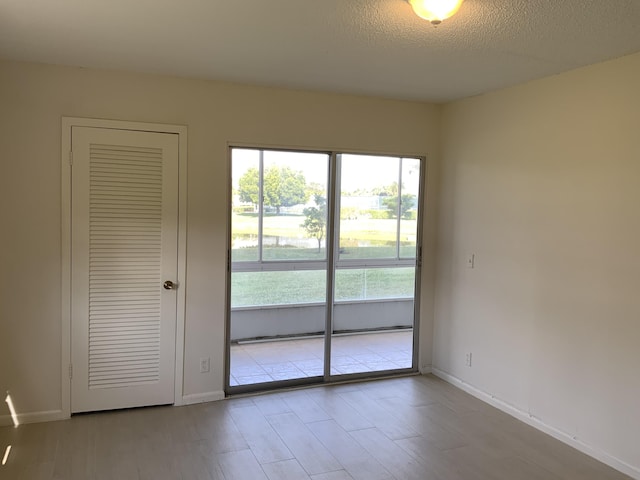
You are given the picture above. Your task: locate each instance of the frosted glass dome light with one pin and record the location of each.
(435, 11)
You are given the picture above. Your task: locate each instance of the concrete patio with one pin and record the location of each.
(286, 359)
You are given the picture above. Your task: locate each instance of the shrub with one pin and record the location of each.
(380, 214)
(243, 209)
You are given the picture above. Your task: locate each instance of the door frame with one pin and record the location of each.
(67, 123)
(333, 206)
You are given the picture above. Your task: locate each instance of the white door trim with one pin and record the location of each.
(65, 240)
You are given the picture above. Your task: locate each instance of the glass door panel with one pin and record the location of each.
(368, 225)
(295, 205)
(245, 213)
(278, 271)
(277, 326)
(369, 284)
(374, 282)
(409, 207)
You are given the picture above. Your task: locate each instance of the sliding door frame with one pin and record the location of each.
(332, 242)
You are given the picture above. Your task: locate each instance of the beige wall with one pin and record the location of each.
(33, 98)
(542, 183)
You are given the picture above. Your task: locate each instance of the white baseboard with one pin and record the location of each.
(54, 415)
(604, 457)
(202, 397)
(426, 369)
(33, 417)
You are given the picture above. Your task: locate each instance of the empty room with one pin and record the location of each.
(337, 240)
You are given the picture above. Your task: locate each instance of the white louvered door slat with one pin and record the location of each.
(124, 246)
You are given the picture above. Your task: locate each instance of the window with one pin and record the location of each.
(279, 227)
(279, 222)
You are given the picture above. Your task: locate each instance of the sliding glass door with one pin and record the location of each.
(322, 266)
(375, 268)
(278, 266)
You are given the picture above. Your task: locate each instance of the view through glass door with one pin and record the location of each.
(284, 276)
(375, 268)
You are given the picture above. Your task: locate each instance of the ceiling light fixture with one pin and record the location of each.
(435, 11)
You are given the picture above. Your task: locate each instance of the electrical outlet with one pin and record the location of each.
(205, 365)
(467, 360)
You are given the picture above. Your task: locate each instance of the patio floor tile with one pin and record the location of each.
(288, 359)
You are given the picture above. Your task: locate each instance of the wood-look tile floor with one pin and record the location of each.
(403, 428)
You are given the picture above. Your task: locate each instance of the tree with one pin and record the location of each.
(406, 203)
(386, 191)
(282, 187)
(316, 219)
(249, 186)
(315, 188)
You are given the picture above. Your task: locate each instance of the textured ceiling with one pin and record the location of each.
(371, 47)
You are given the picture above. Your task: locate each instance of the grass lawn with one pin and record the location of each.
(368, 229)
(309, 286)
(368, 238)
(359, 239)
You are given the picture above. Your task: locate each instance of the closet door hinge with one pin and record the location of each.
(70, 157)
(70, 371)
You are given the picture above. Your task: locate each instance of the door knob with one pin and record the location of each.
(169, 285)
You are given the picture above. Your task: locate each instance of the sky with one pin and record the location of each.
(362, 172)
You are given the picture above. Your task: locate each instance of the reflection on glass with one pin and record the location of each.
(245, 167)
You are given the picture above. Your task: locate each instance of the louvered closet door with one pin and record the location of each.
(124, 247)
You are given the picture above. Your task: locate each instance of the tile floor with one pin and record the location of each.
(411, 428)
(299, 358)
